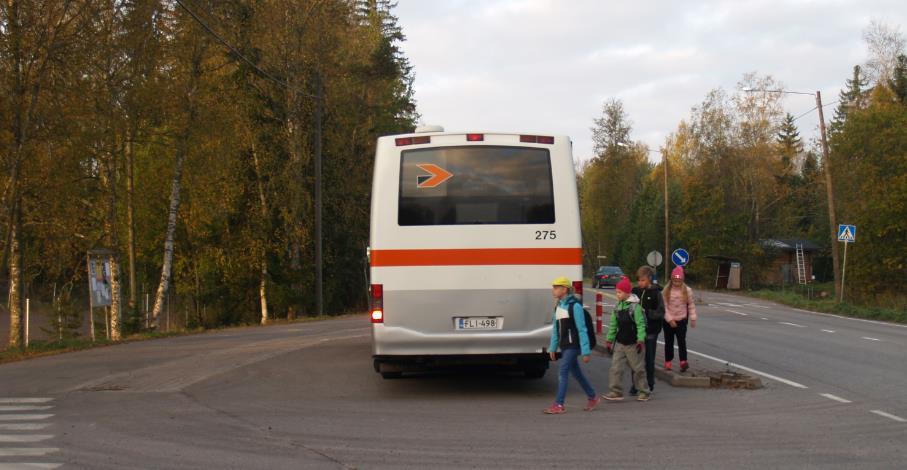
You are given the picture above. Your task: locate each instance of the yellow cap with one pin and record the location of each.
(561, 281)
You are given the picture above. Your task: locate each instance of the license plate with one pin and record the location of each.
(479, 323)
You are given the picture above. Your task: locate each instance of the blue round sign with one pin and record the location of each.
(680, 257)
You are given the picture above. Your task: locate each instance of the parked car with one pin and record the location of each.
(607, 276)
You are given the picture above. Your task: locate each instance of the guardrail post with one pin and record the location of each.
(598, 313)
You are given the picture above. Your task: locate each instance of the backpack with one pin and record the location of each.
(590, 326)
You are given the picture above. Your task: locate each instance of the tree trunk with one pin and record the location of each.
(161, 295)
(130, 217)
(15, 277)
(263, 260)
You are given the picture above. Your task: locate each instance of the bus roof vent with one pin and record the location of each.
(429, 128)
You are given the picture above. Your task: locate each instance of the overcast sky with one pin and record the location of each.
(548, 65)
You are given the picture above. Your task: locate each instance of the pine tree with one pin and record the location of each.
(790, 145)
(898, 82)
(852, 97)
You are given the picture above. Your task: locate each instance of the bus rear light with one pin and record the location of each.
(475, 137)
(537, 139)
(377, 300)
(403, 141)
(578, 290)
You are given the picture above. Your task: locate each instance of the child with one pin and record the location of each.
(569, 333)
(628, 329)
(679, 308)
(653, 306)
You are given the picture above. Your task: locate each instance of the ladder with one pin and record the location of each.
(801, 265)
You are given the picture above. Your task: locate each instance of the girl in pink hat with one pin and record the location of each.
(679, 310)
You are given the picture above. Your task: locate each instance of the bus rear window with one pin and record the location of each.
(476, 185)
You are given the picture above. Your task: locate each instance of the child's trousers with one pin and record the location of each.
(625, 356)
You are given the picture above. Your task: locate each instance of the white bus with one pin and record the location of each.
(467, 232)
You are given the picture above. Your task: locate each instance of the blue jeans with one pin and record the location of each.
(570, 363)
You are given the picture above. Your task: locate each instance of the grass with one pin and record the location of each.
(829, 305)
(50, 348)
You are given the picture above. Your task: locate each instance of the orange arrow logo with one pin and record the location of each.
(437, 176)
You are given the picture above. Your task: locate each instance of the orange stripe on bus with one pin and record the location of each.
(477, 257)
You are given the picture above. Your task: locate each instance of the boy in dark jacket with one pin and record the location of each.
(626, 337)
(654, 308)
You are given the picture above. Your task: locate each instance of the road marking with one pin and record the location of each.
(23, 426)
(738, 313)
(851, 318)
(729, 305)
(10, 401)
(24, 417)
(871, 339)
(24, 408)
(29, 466)
(835, 398)
(738, 366)
(24, 437)
(27, 451)
(889, 416)
(758, 306)
(764, 318)
(828, 331)
(792, 324)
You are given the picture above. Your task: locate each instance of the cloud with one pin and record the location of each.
(547, 65)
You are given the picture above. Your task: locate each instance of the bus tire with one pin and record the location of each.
(391, 375)
(535, 372)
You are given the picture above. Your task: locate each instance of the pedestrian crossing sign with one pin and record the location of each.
(847, 233)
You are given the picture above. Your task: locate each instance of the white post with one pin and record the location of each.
(843, 271)
(27, 315)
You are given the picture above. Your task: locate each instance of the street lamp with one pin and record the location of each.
(828, 187)
(664, 164)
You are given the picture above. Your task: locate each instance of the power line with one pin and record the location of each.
(816, 107)
(239, 54)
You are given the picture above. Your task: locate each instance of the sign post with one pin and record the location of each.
(848, 235)
(99, 294)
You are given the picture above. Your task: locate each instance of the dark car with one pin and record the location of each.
(607, 276)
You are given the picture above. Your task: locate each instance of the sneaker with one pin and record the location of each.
(633, 391)
(684, 365)
(668, 365)
(611, 396)
(651, 387)
(592, 403)
(644, 396)
(554, 409)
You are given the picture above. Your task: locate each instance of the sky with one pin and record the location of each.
(547, 66)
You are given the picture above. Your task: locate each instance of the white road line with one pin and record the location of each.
(871, 339)
(889, 416)
(764, 318)
(29, 466)
(729, 305)
(23, 426)
(26, 451)
(754, 371)
(9, 401)
(20, 438)
(24, 408)
(791, 324)
(828, 331)
(758, 306)
(24, 417)
(738, 313)
(899, 325)
(835, 398)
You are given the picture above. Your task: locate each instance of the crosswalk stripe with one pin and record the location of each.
(24, 417)
(26, 451)
(23, 426)
(29, 466)
(9, 401)
(25, 437)
(24, 408)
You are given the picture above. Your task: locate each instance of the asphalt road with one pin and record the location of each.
(305, 396)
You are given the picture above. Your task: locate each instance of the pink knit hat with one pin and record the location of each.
(677, 273)
(624, 285)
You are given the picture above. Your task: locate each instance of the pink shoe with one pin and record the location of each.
(684, 365)
(592, 403)
(668, 365)
(555, 409)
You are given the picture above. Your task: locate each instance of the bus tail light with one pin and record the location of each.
(578, 290)
(475, 137)
(377, 307)
(403, 141)
(537, 139)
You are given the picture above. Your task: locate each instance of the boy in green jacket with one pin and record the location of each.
(626, 339)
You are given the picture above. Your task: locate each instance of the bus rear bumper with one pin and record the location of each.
(399, 341)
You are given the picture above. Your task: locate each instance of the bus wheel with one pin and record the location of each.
(535, 372)
(391, 375)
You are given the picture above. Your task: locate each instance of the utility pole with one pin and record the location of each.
(826, 163)
(667, 256)
(319, 259)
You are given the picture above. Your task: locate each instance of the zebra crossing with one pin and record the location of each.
(24, 434)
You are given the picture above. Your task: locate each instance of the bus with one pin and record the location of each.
(467, 231)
